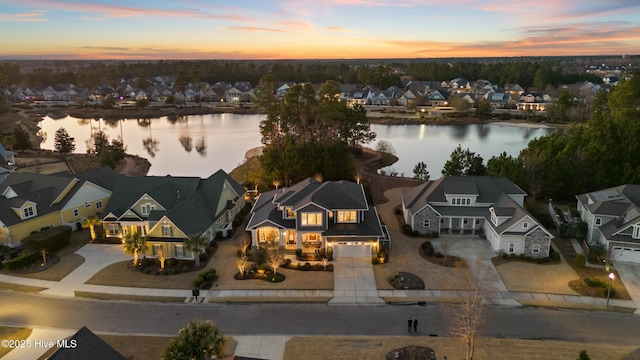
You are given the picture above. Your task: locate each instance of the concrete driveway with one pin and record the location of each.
(478, 253)
(630, 276)
(354, 282)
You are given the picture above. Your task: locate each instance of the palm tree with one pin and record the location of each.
(134, 243)
(198, 340)
(196, 243)
(91, 222)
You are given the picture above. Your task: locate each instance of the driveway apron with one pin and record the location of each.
(354, 282)
(630, 275)
(96, 257)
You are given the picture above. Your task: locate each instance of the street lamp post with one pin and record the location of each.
(611, 277)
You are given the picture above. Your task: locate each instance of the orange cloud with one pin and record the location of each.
(342, 30)
(257, 29)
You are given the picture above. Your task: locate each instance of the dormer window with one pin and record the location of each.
(289, 213)
(28, 212)
(525, 224)
(460, 201)
(598, 221)
(167, 230)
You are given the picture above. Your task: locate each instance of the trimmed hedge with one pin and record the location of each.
(26, 258)
(51, 239)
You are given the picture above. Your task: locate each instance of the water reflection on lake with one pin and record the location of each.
(198, 145)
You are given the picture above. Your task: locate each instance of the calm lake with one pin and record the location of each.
(198, 145)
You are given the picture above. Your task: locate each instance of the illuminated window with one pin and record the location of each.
(311, 219)
(347, 216)
(289, 213)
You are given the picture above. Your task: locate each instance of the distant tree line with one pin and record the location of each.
(528, 72)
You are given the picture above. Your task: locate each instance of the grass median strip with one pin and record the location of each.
(377, 347)
(12, 333)
(102, 296)
(268, 299)
(23, 288)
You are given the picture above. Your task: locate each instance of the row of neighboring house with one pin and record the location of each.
(310, 216)
(409, 93)
(167, 210)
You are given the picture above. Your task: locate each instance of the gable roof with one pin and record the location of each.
(193, 204)
(330, 195)
(87, 346)
(43, 190)
(490, 192)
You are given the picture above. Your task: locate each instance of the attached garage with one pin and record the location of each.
(352, 249)
(625, 254)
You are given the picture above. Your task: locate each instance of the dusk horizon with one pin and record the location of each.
(331, 30)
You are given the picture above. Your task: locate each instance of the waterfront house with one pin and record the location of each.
(331, 217)
(31, 202)
(477, 205)
(167, 210)
(613, 220)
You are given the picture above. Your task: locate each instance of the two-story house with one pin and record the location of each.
(332, 217)
(167, 210)
(613, 220)
(470, 205)
(31, 202)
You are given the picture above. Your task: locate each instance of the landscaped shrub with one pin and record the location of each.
(258, 256)
(205, 279)
(184, 263)
(26, 258)
(580, 261)
(427, 247)
(415, 233)
(596, 254)
(398, 211)
(407, 229)
(298, 253)
(375, 260)
(553, 254)
(51, 239)
(198, 280)
(172, 262)
(595, 282)
(145, 262)
(438, 254)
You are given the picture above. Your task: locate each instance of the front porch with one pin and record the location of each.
(462, 225)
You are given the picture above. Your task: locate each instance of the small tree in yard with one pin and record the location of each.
(244, 247)
(583, 355)
(446, 246)
(420, 171)
(467, 316)
(134, 243)
(275, 257)
(196, 243)
(91, 222)
(241, 264)
(64, 143)
(162, 257)
(198, 340)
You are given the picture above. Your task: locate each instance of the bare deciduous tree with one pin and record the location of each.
(245, 244)
(469, 313)
(446, 245)
(241, 264)
(275, 257)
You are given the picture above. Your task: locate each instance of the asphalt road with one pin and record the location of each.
(311, 319)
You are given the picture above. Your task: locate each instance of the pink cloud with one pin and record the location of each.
(129, 11)
(342, 30)
(23, 17)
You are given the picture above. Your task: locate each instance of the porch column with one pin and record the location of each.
(450, 224)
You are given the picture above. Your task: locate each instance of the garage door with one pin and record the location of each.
(352, 250)
(626, 255)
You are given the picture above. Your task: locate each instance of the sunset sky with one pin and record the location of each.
(321, 29)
